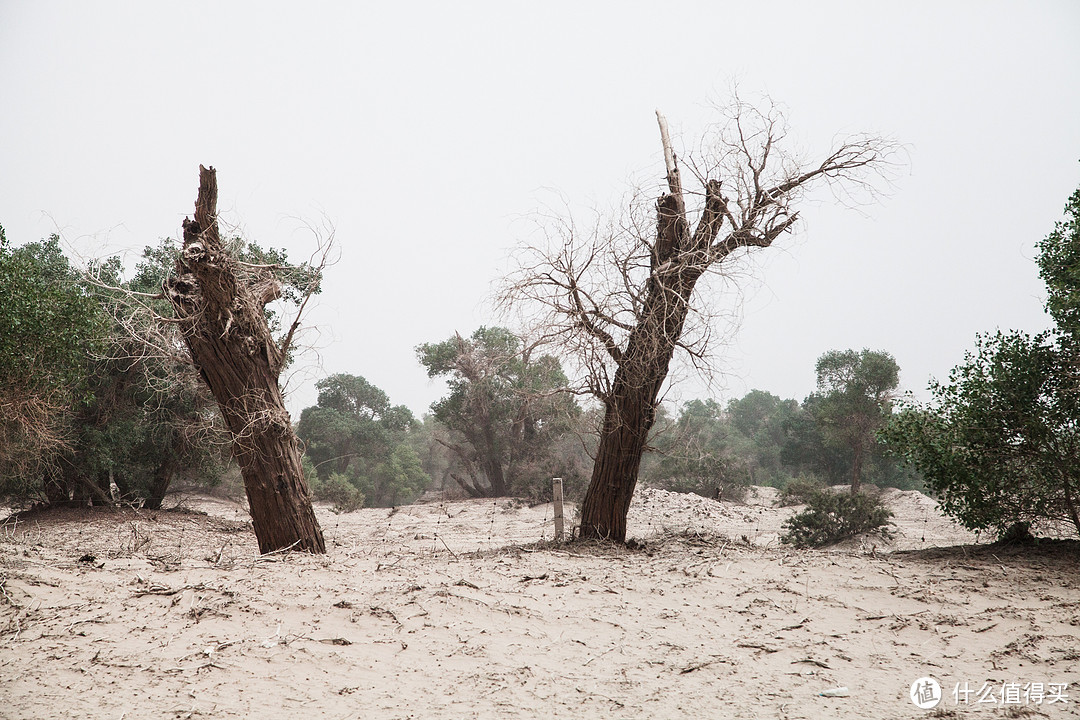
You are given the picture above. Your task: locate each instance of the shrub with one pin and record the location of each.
(831, 517)
(800, 490)
(337, 489)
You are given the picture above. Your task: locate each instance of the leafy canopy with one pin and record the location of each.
(505, 410)
(1000, 441)
(357, 446)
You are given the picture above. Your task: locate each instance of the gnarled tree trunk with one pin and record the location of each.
(617, 298)
(630, 409)
(679, 257)
(163, 475)
(225, 328)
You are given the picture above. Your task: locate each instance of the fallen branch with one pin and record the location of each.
(757, 646)
(166, 590)
(705, 664)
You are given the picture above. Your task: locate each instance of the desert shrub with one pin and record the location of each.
(800, 490)
(337, 490)
(831, 517)
(999, 442)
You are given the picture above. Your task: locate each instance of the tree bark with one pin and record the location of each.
(856, 469)
(496, 478)
(627, 422)
(163, 476)
(226, 331)
(630, 409)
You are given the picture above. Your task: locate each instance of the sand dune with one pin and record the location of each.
(468, 610)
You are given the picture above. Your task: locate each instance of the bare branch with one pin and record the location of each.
(619, 300)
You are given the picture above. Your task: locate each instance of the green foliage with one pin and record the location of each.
(1059, 267)
(704, 452)
(831, 517)
(356, 434)
(152, 420)
(695, 451)
(800, 491)
(337, 490)
(999, 443)
(397, 480)
(504, 413)
(764, 439)
(761, 439)
(49, 325)
(853, 401)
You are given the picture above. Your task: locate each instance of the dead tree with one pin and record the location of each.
(621, 299)
(221, 314)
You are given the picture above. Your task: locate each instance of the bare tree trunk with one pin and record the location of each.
(618, 299)
(226, 331)
(163, 476)
(630, 410)
(629, 415)
(496, 477)
(856, 469)
(627, 422)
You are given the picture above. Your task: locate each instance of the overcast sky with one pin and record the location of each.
(426, 132)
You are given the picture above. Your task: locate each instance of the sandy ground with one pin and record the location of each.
(467, 610)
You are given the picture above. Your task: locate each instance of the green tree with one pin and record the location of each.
(355, 435)
(150, 418)
(767, 422)
(853, 401)
(717, 452)
(49, 326)
(1000, 441)
(504, 412)
(999, 444)
(696, 453)
(807, 453)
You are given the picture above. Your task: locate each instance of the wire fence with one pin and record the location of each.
(442, 528)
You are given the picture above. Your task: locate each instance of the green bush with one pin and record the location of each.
(800, 490)
(337, 489)
(831, 517)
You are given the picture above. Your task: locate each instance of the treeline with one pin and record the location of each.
(830, 438)
(99, 407)
(99, 400)
(508, 425)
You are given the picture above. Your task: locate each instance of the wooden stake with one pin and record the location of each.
(556, 497)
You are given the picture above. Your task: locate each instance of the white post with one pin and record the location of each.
(556, 497)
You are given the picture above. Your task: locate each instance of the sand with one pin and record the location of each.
(468, 610)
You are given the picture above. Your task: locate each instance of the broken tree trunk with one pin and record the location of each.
(222, 317)
(630, 407)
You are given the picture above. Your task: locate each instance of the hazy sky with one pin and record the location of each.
(428, 133)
